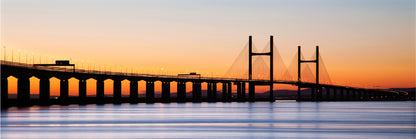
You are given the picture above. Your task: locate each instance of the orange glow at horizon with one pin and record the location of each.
(91, 87)
(73, 86)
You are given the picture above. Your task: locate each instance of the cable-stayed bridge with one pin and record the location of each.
(245, 74)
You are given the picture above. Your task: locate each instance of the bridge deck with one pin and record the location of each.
(158, 77)
(24, 71)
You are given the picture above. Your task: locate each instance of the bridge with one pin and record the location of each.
(319, 91)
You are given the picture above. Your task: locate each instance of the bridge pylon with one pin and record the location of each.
(250, 69)
(317, 88)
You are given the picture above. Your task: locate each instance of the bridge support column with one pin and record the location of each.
(64, 89)
(391, 96)
(214, 91)
(313, 94)
(134, 91)
(230, 92)
(299, 98)
(383, 96)
(386, 96)
(370, 95)
(181, 91)
(365, 94)
(348, 95)
(373, 95)
(44, 90)
(271, 93)
(379, 95)
(4, 91)
(82, 88)
(23, 91)
(318, 93)
(360, 94)
(239, 93)
(196, 91)
(335, 93)
(243, 91)
(209, 91)
(224, 92)
(299, 75)
(251, 92)
(354, 94)
(327, 91)
(165, 91)
(341, 92)
(100, 90)
(150, 91)
(116, 90)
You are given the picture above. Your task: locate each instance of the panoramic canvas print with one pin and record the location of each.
(331, 69)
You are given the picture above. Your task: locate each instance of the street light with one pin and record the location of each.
(4, 52)
(18, 51)
(26, 57)
(12, 56)
(33, 58)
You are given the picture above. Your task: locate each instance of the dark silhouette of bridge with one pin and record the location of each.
(319, 91)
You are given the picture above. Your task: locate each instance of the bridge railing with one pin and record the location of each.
(60, 69)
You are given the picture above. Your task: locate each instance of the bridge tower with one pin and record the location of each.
(317, 87)
(250, 69)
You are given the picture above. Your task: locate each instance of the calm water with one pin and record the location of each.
(214, 120)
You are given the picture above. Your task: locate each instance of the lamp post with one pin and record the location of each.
(4, 52)
(26, 57)
(12, 57)
(33, 58)
(18, 51)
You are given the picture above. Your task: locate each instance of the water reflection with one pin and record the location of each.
(214, 120)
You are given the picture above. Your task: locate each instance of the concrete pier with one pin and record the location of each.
(134, 94)
(166, 91)
(23, 91)
(44, 90)
(150, 91)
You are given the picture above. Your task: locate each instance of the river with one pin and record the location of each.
(282, 119)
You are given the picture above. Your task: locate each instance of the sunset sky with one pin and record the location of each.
(365, 43)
